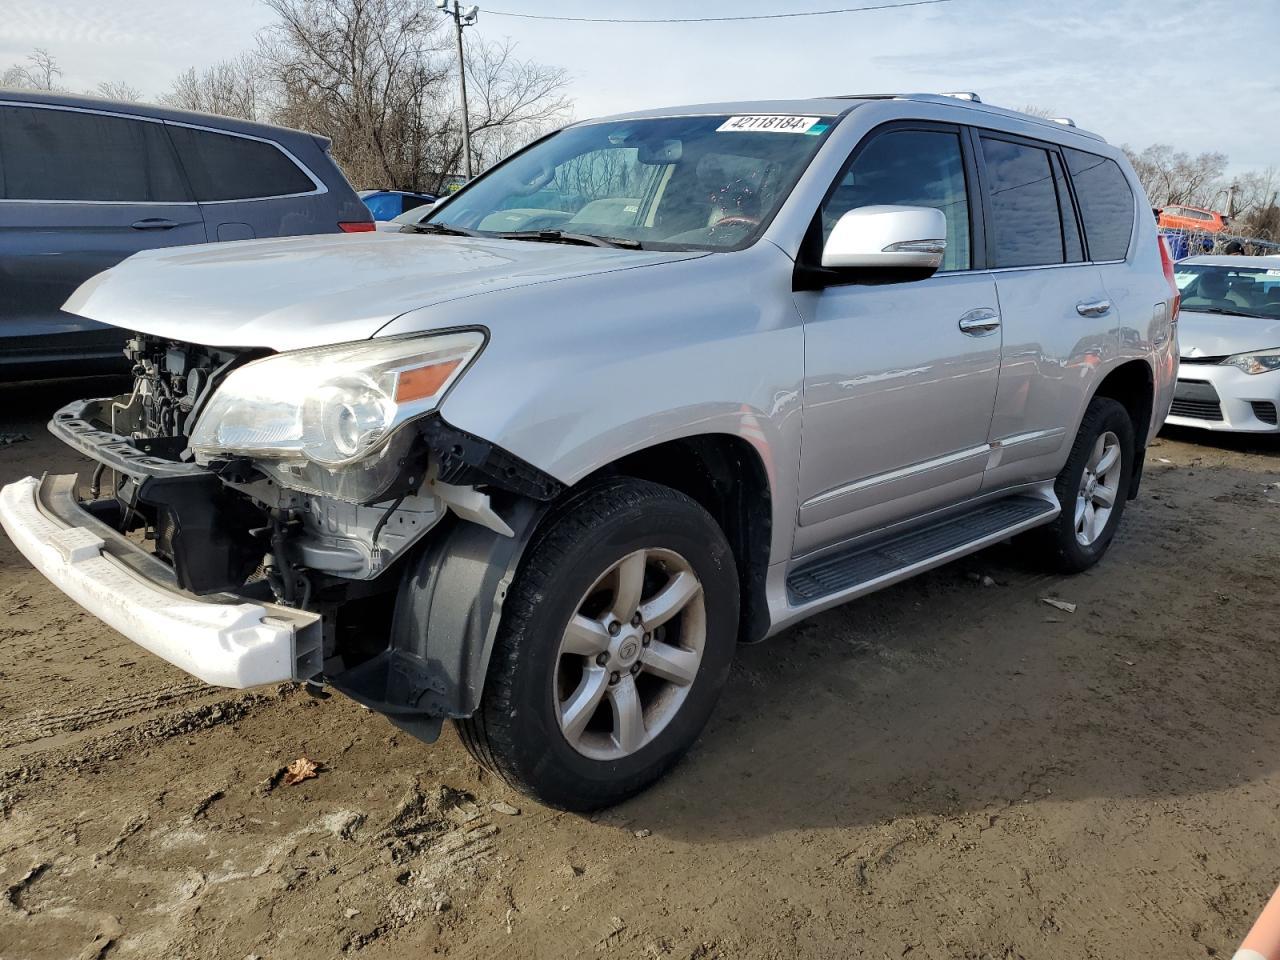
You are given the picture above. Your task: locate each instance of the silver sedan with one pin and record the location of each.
(1229, 332)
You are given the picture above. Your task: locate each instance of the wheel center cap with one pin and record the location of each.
(628, 650)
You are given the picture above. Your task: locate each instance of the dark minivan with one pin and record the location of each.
(85, 182)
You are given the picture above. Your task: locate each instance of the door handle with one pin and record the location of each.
(980, 322)
(1093, 308)
(154, 223)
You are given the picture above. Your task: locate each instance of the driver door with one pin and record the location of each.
(900, 377)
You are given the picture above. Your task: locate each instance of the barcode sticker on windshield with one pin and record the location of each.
(774, 123)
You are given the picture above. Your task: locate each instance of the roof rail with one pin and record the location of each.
(971, 100)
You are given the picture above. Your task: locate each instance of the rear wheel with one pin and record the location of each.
(1092, 488)
(614, 644)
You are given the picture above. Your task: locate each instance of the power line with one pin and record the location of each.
(762, 16)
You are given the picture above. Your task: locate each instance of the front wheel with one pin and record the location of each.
(615, 641)
(1092, 488)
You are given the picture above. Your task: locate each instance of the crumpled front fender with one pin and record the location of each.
(447, 612)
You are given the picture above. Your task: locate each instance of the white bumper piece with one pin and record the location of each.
(238, 643)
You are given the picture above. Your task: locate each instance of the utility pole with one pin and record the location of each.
(462, 17)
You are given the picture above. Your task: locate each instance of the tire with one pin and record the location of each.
(527, 729)
(1062, 543)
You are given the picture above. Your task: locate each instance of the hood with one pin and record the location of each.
(1218, 335)
(297, 292)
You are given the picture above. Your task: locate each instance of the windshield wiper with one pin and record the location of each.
(440, 229)
(1219, 310)
(562, 236)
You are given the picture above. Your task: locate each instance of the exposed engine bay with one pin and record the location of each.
(234, 524)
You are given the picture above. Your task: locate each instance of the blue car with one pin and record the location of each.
(389, 204)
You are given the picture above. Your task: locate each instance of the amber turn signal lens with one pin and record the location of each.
(423, 382)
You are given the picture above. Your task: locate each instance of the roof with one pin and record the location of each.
(152, 111)
(829, 107)
(1261, 263)
(835, 106)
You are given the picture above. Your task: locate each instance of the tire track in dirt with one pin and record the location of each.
(41, 724)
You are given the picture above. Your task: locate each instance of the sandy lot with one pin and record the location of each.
(946, 769)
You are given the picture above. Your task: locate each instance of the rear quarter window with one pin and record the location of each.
(225, 167)
(1106, 203)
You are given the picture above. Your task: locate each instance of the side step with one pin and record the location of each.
(868, 566)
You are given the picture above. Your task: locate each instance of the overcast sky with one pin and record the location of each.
(1199, 74)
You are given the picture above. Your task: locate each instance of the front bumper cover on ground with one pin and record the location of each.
(224, 640)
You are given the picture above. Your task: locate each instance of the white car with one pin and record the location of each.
(416, 215)
(1229, 334)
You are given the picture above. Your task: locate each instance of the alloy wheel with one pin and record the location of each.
(629, 654)
(1099, 488)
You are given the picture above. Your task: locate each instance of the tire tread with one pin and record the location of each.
(486, 734)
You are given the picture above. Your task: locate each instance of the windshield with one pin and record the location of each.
(1246, 291)
(710, 183)
(414, 215)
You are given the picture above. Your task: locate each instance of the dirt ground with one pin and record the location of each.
(946, 769)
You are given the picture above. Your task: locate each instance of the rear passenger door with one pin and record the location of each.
(1060, 326)
(250, 186)
(79, 191)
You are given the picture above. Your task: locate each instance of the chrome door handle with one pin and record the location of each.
(1093, 308)
(980, 322)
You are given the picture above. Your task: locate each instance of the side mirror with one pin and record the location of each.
(888, 238)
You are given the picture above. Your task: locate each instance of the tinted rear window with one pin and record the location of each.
(224, 167)
(1106, 204)
(68, 155)
(1027, 225)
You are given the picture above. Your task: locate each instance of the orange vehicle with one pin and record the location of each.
(1193, 218)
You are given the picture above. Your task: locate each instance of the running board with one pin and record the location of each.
(867, 567)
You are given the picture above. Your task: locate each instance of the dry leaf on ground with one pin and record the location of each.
(301, 769)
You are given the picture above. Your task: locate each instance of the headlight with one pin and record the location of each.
(332, 406)
(1260, 361)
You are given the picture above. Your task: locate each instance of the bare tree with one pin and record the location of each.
(512, 101)
(42, 73)
(1173, 176)
(1031, 110)
(366, 74)
(378, 77)
(118, 90)
(232, 88)
(1257, 213)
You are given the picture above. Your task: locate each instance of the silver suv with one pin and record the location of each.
(655, 385)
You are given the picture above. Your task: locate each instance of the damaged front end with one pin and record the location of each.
(323, 482)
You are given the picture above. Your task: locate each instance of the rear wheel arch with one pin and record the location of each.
(1132, 385)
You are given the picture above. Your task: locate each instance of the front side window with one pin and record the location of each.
(48, 154)
(225, 167)
(1106, 203)
(923, 168)
(1026, 215)
(709, 183)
